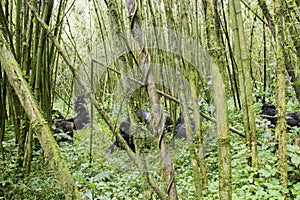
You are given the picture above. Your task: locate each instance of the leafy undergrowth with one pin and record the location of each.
(40, 184)
(115, 176)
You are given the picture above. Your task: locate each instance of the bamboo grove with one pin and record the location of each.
(47, 48)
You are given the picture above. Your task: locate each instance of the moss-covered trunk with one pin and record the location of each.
(3, 83)
(219, 94)
(280, 130)
(38, 123)
(245, 81)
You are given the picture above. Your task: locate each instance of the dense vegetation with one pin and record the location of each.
(215, 62)
(113, 176)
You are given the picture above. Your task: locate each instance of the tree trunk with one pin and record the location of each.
(3, 84)
(246, 84)
(42, 88)
(280, 130)
(219, 94)
(277, 30)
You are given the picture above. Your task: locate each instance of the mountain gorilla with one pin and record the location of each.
(125, 133)
(82, 118)
(180, 130)
(143, 117)
(292, 119)
(63, 128)
(269, 113)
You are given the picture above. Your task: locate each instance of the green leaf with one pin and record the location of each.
(297, 186)
(265, 173)
(297, 83)
(92, 185)
(296, 160)
(268, 167)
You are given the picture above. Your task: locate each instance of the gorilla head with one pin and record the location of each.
(80, 99)
(125, 128)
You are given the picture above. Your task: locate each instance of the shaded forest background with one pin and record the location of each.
(247, 55)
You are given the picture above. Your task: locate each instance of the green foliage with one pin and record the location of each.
(297, 83)
(40, 184)
(294, 153)
(115, 176)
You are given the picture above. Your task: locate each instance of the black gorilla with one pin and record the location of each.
(125, 130)
(292, 119)
(169, 123)
(180, 131)
(143, 117)
(63, 130)
(57, 115)
(82, 118)
(125, 133)
(269, 112)
(79, 102)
